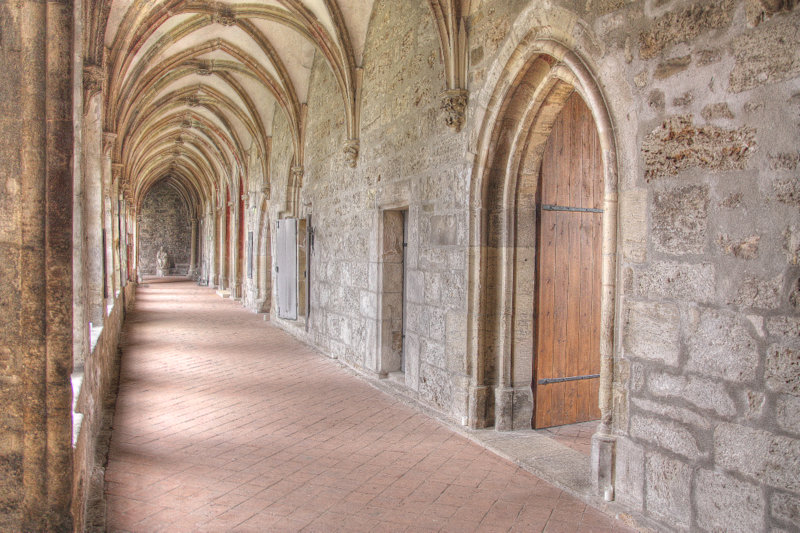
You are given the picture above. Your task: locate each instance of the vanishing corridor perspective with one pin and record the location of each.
(544, 254)
(262, 433)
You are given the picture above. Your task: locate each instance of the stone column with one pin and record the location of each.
(137, 219)
(36, 266)
(222, 282)
(93, 200)
(123, 241)
(235, 270)
(211, 220)
(108, 211)
(193, 257)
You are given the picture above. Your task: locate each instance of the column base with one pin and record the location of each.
(603, 452)
(513, 408)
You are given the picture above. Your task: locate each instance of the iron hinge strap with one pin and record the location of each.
(547, 381)
(550, 207)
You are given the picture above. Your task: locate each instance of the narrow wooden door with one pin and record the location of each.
(567, 358)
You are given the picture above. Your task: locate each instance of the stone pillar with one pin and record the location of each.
(211, 220)
(222, 282)
(123, 241)
(137, 219)
(36, 266)
(93, 201)
(235, 270)
(80, 319)
(193, 257)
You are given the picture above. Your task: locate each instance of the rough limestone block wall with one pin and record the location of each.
(409, 160)
(709, 328)
(165, 222)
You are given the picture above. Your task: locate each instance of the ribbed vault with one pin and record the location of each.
(191, 88)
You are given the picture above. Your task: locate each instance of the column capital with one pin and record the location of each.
(94, 77)
(454, 105)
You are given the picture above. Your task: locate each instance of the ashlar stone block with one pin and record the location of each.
(766, 54)
(782, 370)
(680, 219)
(786, 507)
(724, 503)
(787, 413)
(720, 345)
(690, 282)
(666, 434)
(652, 332)
(668, 488)
(704, 393)
(761, 455)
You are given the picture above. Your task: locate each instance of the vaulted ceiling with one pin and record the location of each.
(191, 87)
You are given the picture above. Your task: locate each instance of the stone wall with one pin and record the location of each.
(709, 321)
(93, 412)
(165, 222)
(703, 100)
(406, 162)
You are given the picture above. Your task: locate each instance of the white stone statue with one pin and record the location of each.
(162, 262)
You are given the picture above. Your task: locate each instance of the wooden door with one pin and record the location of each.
(567, 359)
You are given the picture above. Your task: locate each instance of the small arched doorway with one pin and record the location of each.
(569, 211)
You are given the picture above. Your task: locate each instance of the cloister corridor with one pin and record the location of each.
(223, 422)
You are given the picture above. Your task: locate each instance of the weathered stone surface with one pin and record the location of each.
(665, 434)
(783, 160)
(691, 282)
(688, 417)
(761, 455)
(767, 54)
(672, 66)
(683, 25)
(680, 219)
(787, 190)
(435, 386)
(633, 224)
(717, 111)
(791, 245)
(668, 488)
(704, 393)
(787, 413)
(758, 293)
(754, 404)
(782, 372)
(786, 507)
(726, 504)
(746, 248)
(719, 345)
(678, 145)
(652, 331)
(629, 474)
(787, 327)
(606, 6)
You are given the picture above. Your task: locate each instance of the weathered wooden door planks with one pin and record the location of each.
(567, 360)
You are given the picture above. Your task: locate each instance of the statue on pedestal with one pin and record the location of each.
(162, 262)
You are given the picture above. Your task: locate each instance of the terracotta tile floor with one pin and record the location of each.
(575, 436)
(225, 423)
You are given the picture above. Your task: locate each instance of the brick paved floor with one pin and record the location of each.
(225, 423)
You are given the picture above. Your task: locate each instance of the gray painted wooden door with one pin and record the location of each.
(286, 268)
